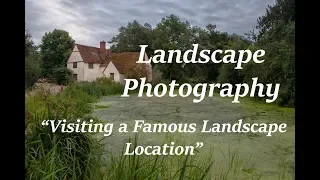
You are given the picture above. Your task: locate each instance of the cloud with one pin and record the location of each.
(89, 22)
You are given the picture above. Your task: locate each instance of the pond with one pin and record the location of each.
(269, 155)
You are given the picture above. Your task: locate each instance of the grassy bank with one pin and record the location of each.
(64, 155)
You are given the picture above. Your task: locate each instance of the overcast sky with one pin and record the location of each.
(91, 21)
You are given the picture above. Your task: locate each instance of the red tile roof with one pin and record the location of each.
(125, 62)
(92, 54)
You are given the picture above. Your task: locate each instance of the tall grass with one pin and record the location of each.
(64, 155)
(100, 87)
(157, 167)
(59, 155)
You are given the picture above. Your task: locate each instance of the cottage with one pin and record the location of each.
(89, 63)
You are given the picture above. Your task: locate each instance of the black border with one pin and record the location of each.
(302, 57)
(13, 94)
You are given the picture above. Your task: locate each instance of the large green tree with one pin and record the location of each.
(56, 47)
(172, 34)
(277, 37)
(282, 12)
(131, 36)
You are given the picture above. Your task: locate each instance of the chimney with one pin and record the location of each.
(102, 47)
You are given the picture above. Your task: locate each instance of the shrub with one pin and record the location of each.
(32, 70)
(101, 87)
(62, 75)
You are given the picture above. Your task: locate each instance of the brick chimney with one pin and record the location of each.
(102, 47)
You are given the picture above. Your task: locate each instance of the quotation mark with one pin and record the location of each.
(45, 123)
(199, 144)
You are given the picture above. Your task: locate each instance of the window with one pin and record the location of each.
(112, 75)
(75, 65)
(75, 77)
(90, 65)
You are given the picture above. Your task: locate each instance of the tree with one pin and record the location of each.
(171, 34)
(277, 37)
(228, 73)
(32, 61)
(217, 40)
(283, 11)
(29, 44)
(131, 36)
(251, 36)
(56, 47)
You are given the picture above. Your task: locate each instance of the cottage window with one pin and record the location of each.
(112, 76)
(75, 65)
(90, 65)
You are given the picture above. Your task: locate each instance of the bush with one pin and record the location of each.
(230, 75)
(62, 75)
(32, 70)
(101, 87)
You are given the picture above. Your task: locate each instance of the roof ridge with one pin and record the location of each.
(89, 46)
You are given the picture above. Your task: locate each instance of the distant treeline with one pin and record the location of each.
(274, 33)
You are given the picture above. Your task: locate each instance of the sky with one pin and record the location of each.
(91, 21)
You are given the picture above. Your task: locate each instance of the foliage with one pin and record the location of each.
(131, 36)
(282, 12)
(62, 75)
(227, 72)
(275, 34)
(32, 62)
(101, 87)
(56, 47)
(59, 155)
(157, 167)
(64, 155)
(170, 34)
(277, 38)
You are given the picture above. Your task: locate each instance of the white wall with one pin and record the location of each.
(112, 69)
(78, 70)
(92, 74)
(76, 57)
(121, 80)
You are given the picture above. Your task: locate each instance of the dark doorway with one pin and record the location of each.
(75, 77)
